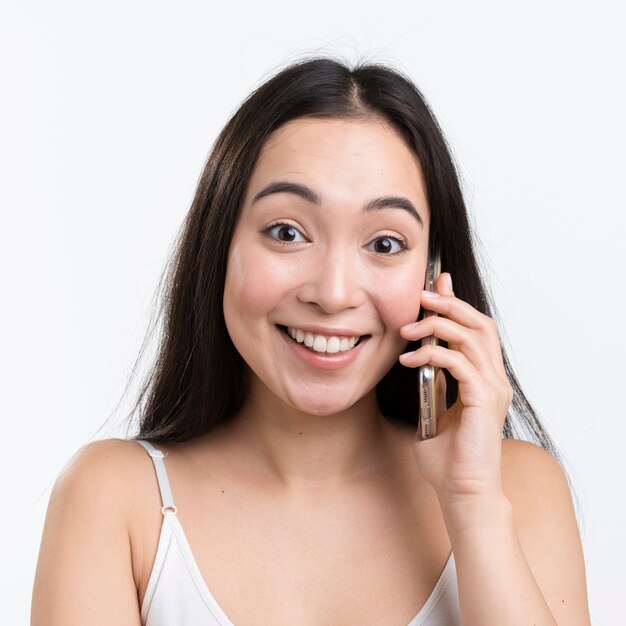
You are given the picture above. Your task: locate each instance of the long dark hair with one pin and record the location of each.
(198, 379)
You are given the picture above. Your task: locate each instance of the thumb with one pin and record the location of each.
(444, 284)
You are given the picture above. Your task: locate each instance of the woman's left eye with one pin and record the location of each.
(385, 245)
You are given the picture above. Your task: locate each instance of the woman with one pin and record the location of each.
(281, 412)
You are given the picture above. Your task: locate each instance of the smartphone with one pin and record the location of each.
(427, 373)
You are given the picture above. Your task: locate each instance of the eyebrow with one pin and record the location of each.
(304, 192)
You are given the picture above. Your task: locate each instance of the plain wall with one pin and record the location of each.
(108, 112)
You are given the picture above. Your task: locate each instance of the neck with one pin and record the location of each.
(301, 449)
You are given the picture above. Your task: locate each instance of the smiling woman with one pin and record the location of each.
(336, 252)
(285, 399)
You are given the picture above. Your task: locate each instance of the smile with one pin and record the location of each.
(321, 343)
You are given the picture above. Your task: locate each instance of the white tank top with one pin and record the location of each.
(177, 594)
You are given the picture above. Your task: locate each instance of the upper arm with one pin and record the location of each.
(84, 572)
(547, 528)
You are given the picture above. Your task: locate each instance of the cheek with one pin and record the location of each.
(398, 296)
(255, 284)
(246, 293)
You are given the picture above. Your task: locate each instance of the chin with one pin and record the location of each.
(322, 405)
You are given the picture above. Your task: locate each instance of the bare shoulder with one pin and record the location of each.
(546, 524)
(537, 487)
(104, 460)
(533, 479)
(85, 563)
(522, 459)
(96, 478)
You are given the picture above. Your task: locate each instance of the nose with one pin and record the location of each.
(334, 280)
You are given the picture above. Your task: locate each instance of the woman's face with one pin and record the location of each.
(324, 254)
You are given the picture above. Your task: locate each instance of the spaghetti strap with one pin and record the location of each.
(164, 483)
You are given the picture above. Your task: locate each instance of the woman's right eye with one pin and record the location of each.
(285, 233)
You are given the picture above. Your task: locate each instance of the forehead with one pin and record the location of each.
(341, 159)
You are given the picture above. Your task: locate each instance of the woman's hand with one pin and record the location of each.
(463, 460)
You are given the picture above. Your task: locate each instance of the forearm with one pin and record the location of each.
(496, 584)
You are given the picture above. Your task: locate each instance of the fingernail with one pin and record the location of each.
(430, 294)
(448, 280)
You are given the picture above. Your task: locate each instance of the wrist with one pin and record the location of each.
(482, 513)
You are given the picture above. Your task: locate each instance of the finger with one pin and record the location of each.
(455, 308)
(465, 314)
(474, 390)
(455, 362)
(458, 337)
(444, 284)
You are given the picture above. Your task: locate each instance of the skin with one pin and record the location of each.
(330, 276)
(312, 496)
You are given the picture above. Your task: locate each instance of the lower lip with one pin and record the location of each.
(320, 360)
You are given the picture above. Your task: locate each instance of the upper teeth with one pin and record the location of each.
(321, 343)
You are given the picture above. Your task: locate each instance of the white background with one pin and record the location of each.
(108, 111)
